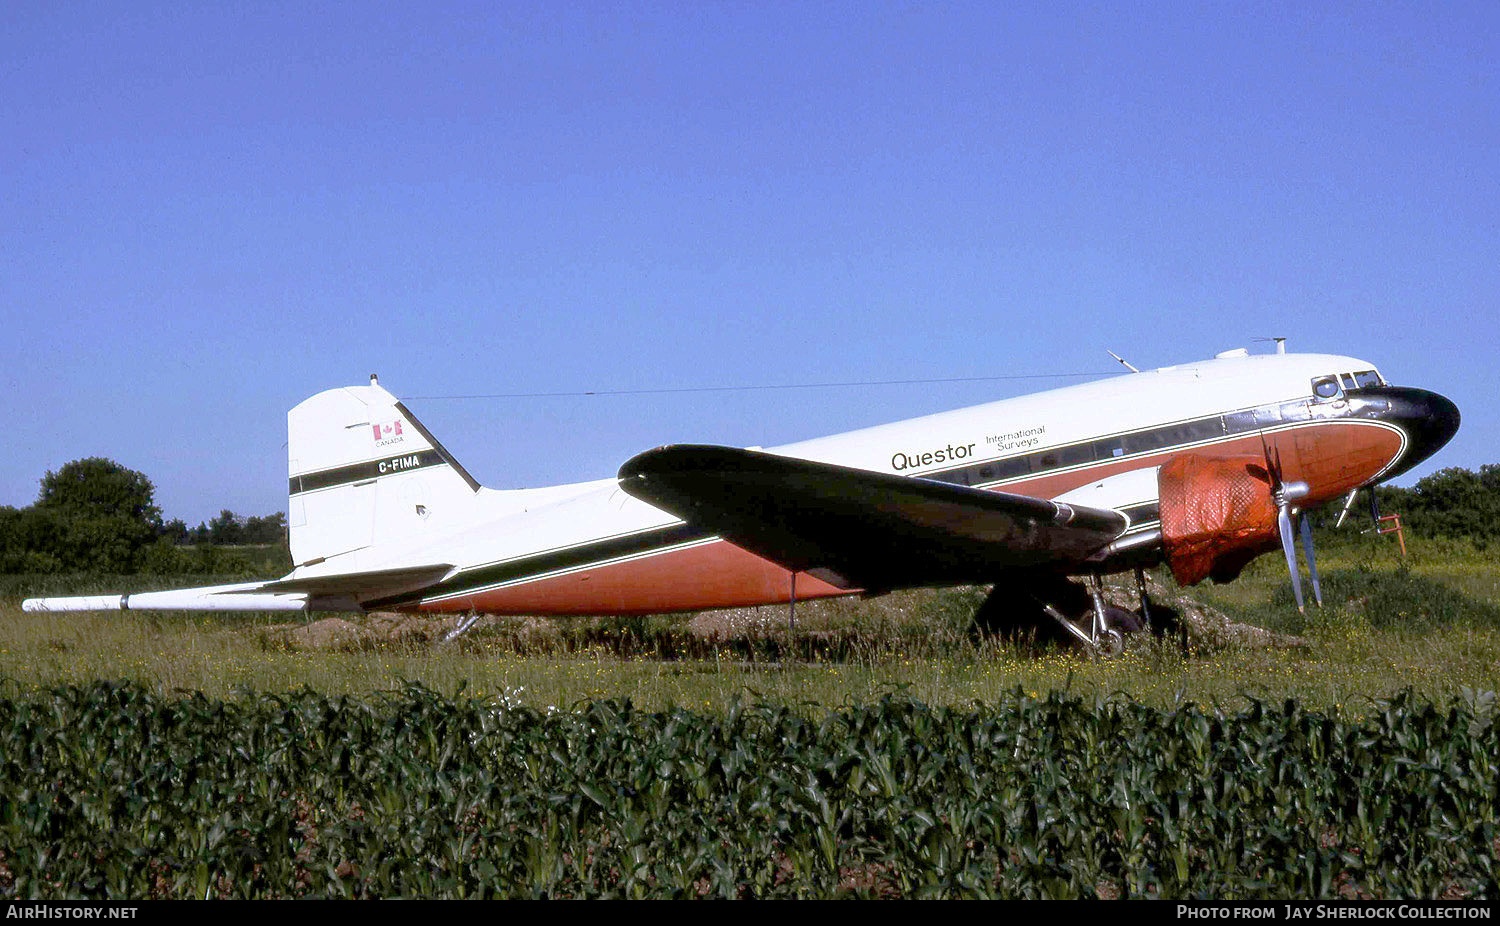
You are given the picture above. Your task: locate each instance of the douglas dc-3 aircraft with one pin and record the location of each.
(1204, 465)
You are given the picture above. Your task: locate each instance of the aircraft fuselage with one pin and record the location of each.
(590, 548)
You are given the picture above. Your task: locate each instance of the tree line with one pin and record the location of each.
(95, 515)
(1453, 502)
(229, 529)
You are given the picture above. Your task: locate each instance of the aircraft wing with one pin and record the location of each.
(333, 591)
(862, 529)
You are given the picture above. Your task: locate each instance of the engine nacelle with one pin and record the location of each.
(1217, 514)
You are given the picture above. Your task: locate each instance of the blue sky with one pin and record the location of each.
(210, 211)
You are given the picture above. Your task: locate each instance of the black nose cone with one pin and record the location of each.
(1429, 420)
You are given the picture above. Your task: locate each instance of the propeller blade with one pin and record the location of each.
(1289, 545)
(1312, 565)
(1374, 508)
(1273, 470)
(1283, 494)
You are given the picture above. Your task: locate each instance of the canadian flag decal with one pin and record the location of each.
(383, 431)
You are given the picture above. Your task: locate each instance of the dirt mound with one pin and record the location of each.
(378, 628)
(1208, 627)
(323, 634)
(737, 622)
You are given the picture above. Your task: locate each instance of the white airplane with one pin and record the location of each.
(1204, 465)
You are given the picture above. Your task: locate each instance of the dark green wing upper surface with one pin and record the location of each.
(863, 529)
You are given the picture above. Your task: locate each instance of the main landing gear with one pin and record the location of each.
(1098, 626)
(1102, 629)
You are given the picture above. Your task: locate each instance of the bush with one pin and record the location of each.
(1395, 600)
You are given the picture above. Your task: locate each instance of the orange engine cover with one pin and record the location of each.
(1216, 515)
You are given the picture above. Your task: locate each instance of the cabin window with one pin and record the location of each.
(1078, 453)
(1326, 387)
(1239, 422)
(1015, 466)
(1205, 429)
(1294, 411)
(1269, 415)
(1142, 442)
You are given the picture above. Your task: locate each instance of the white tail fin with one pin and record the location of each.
(364, 471)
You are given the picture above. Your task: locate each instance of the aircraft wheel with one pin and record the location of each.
(1110, 645)
(1123, 620)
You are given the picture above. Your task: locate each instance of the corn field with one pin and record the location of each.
(111, 791)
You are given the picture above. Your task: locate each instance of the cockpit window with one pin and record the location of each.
(1326, 387)
(1367, 378)
(1348, 379)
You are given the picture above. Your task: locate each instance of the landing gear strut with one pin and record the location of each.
(1140, 587)
(1103, 632)
(1054, 607)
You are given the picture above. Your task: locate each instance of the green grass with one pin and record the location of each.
(1338, 673)
(1430, 623)
(1439, 583)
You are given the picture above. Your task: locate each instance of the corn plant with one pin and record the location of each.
(112, 791)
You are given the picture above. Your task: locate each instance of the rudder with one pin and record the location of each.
(363, 470)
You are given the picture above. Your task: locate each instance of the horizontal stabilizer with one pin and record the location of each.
(244, 596)
(75, 603)
(334, 592)
(363, 586)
